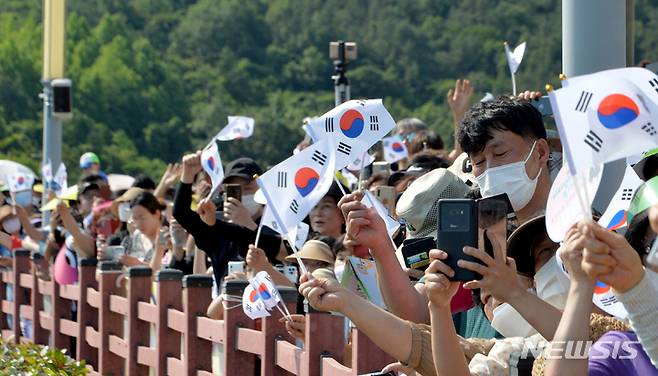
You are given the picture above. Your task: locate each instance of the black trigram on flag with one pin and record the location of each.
(626, 194)
(654, 84)
(344, 148)
(594, 141)
(374, 122)
(650, 129)
(294, 206)
(320, 158)
(282, 179)
(329, 125)
(583, 102)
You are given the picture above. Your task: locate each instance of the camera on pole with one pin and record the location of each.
(62, 98)
(341, 53)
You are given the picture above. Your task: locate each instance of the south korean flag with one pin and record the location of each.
(394, 149)
(602, 120)
(616, 215)
(293, 187)
(354, 126)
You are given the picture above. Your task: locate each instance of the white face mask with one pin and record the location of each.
(250, 204)
(124, 211)
(552, 284)
(508, 322)
(511, 179)
(11, 225)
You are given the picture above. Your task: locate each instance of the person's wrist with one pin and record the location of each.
(350, 302)
(187, 177)
(634, 278)
(382, 248)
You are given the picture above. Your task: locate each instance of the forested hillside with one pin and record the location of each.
(155, 78)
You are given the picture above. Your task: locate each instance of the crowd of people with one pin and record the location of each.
(432, 324)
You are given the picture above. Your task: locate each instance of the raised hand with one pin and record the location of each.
(459, 98)
(191, 166)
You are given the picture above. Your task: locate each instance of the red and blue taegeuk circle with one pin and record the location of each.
(617, 110)
(306, 179)
(618, 220)
(601, 288)
(351, 123)
(262, 289)
(211, 163)
(397, 147)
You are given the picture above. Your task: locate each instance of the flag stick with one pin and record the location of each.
(513, 84)
(283, 313)
(361, 172)
(588, 207)
(260, 227)
(295, 253)
(340, 186)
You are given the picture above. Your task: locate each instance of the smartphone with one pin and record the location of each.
(457, 228)
(543, 105)
(386, 195)
(492, 217)
(415, 252)
(381, 166)
(113, 252)
(233, 190)
(235, 267)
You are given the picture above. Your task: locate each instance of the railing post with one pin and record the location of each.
(273, 330)
(366, 356)
(169, 296)
(196, 299)
(4, 325)
(39, 335)
(109, 322)
(139, 290)
(87, 315)
(21, 265)
(236, 362)
(322, 340)
(59, 308)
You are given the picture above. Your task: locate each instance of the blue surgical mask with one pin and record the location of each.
(23, 198)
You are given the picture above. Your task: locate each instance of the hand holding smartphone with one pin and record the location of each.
(457, 228)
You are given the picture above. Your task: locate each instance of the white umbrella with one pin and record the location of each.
(10, 168)
(119, 182)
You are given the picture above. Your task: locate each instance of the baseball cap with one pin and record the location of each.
(244, 168)
(314, 250)
(418, 205)
(87, 159)
(463, 168)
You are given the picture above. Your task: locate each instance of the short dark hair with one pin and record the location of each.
(504, 114)
(425, 139)
(148, 201)
(428, 160)
(144, 182)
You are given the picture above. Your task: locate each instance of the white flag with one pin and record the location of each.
(293, 187)
(644, 79)
(563, 208)
(354, 126)
(394, 149)
(59, 184)
(20, 182)
(369, 200)
(615, 215)
(253, 304)
(237, 127)
(299, 232)
(212, 164)
(361, 162)
(603, 120)
(514, 57)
